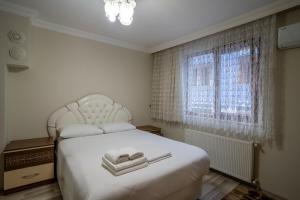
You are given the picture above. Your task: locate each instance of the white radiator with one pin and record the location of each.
(230, 156)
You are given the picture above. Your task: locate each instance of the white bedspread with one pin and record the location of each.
(81, 176)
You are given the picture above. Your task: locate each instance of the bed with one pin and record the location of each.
(81, 176)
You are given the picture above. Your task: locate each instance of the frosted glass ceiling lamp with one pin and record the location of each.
(125, 21)
(111, 9)
(126, 13)
(124, 9)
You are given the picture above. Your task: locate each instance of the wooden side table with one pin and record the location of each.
(151, 129)
(28, 163)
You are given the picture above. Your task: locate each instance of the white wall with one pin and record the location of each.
(279, 165)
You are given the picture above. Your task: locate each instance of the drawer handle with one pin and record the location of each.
(30, 176)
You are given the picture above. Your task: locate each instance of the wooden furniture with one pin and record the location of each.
(151, 129)
(28, 163)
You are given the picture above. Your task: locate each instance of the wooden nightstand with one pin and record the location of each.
(151, 129)
(28, 163)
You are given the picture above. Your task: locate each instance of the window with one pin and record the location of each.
(221, 83)
(201, 88)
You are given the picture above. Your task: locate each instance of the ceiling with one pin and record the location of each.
(156, 22)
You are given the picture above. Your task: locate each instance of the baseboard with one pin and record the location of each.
(233, 178)
(274, 196)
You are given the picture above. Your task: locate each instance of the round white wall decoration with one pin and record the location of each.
(16, 37)
(17, 53)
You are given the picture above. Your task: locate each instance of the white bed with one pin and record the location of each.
(81, 176)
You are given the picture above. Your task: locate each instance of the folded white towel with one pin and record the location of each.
(157, 154)
(123, 155)
(124, 171)
(132, 153)
(116, 156)
(124, 165)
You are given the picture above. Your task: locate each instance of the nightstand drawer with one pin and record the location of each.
(27, 158)
(29, 175)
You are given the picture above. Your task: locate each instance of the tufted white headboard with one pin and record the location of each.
(92, 109)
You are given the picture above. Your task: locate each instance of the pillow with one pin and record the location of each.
(79, 130)
(116, 127)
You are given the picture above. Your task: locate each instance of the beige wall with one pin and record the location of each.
(65, 68)
(8, 22)
(2, 96)
(279, 165)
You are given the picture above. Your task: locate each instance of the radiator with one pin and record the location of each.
(230, 156)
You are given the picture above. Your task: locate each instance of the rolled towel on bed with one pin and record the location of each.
(132, 152)
(123, 155)
(116, 156)
(124, 165)
(124, 171)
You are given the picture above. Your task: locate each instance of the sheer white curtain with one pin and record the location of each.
(167, 88)
(221, 84)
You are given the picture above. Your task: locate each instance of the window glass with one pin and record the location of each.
(220, 83)
(201, 88)
(235, 85)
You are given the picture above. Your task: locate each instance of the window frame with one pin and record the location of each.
(254, 45)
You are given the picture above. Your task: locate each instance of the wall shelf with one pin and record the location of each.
(16, 68)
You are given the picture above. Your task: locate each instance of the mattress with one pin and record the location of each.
(81, 176)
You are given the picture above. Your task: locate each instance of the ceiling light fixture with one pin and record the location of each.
(122, 8)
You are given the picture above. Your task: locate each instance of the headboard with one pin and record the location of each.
(93, 109)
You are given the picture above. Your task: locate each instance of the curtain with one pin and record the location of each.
(221, 84)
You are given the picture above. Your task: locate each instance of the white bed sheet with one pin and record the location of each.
(81, 176)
